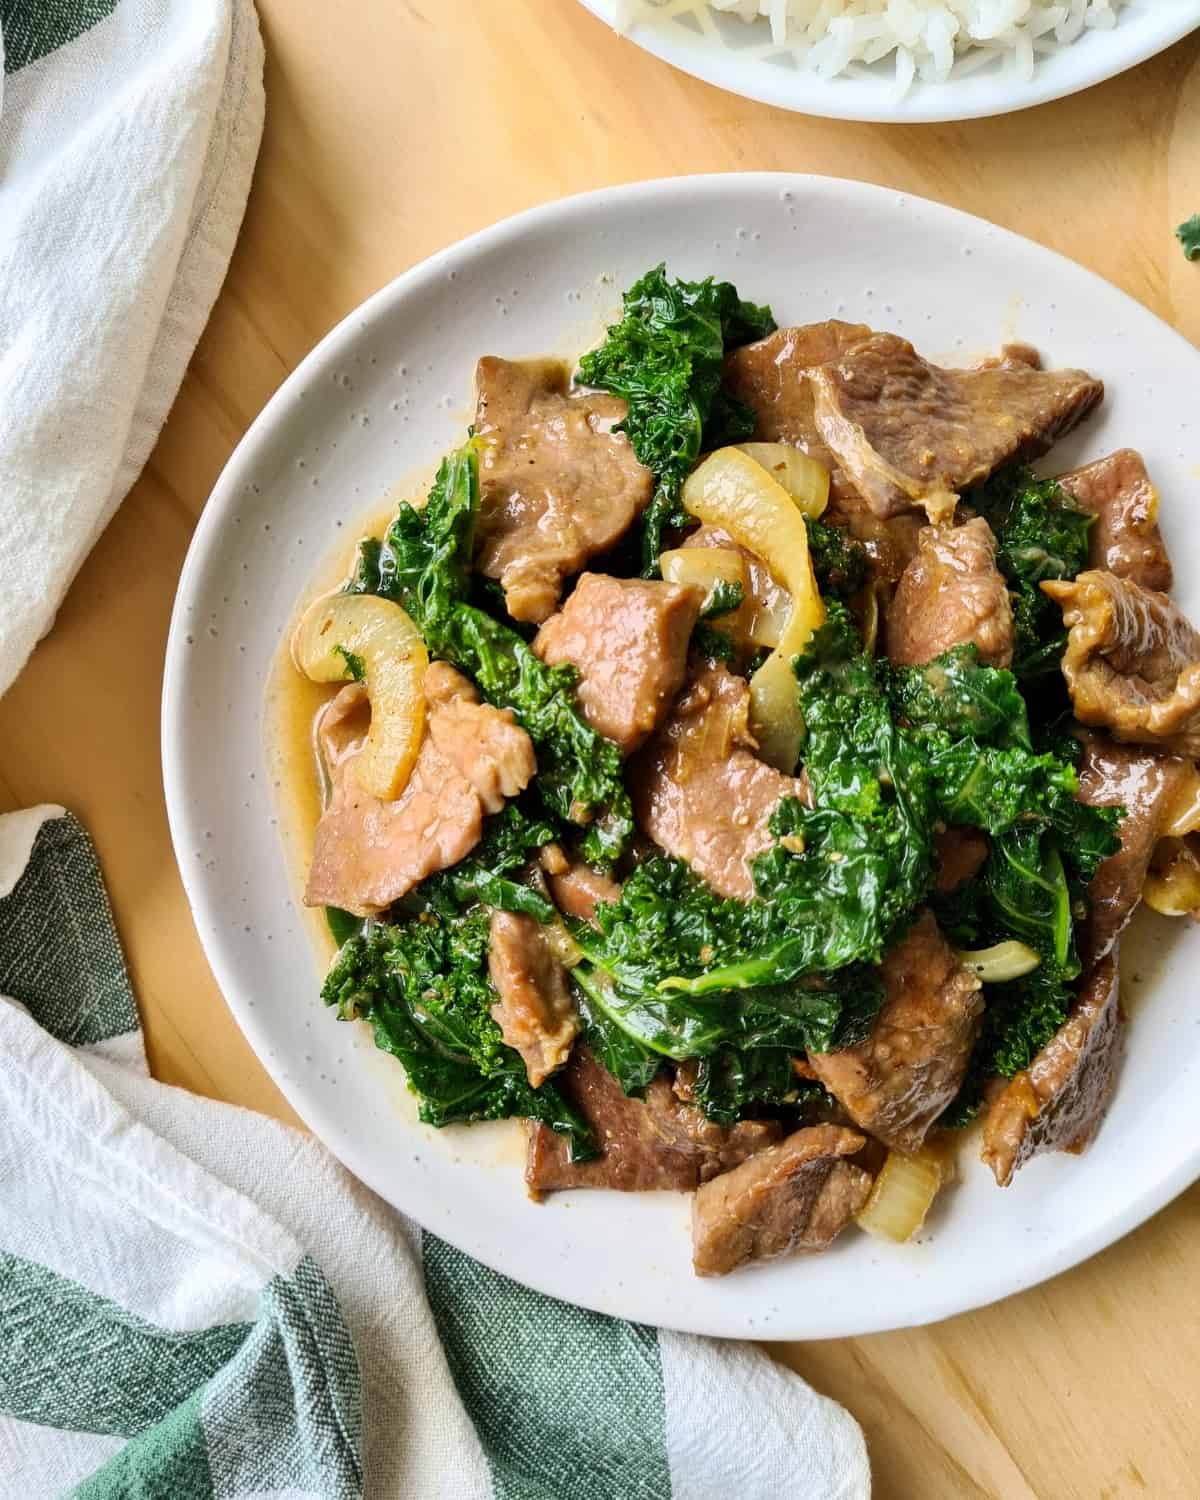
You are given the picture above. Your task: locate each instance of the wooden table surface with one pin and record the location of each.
(391, 132)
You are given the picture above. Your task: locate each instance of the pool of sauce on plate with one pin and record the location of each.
(291, 708)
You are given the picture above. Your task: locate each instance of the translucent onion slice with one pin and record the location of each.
(1001, 962)
(1183, 813)
(803, 478)
(1172, 886)
(729, 489)
(705, 568)
(351, 635)
(902, 1194)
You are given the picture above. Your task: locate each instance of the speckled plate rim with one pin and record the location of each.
(1100, 55)
(627, 1255)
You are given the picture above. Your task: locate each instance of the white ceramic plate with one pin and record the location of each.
(734, 55)
(385, 393)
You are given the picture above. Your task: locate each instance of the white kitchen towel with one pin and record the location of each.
(197, 1301)
(128, 134)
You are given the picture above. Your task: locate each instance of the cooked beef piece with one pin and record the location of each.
(368, 853)
(950, 594)
(700, 794)
(535, 1012)
(958, 856)
(1149, 787)
(578, 890)
(556, 484)
(1132, 662)
(655, 1142)
(906, 432)
(1058, 1102)
(628, 637)
(1125, 538)
(484, 744)
(795, 1196)
(771, 377)
(896, 1082)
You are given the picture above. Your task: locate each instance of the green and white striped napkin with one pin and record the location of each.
(198, 1301)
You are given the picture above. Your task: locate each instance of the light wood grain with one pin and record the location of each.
(394, 129)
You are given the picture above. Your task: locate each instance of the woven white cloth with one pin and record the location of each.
(126, 155)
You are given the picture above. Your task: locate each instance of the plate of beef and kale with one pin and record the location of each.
(680, 733)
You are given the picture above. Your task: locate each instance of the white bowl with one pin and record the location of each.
(385, 393)
(738, 56)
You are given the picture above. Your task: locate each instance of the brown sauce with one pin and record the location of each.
(292, 705)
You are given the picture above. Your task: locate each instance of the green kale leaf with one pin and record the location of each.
(1040, 534)
(664, 357)
(1188, 235)
(423, 988)
(957, 693)
(839, 562)
(732, 1080)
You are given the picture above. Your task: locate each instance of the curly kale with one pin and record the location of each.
(1040, 534)
(1188, 235)
(423, 987)
(422, 983)
(424, 565)
(958, 694)
(664, 357)
(733, 1081)
(839, 562)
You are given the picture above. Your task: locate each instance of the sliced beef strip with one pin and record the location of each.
(655, 1142)
(1148, 786)
(771, 377)
(1059, 1101)
(628, 638)
(950, 594)
(557, 484)
(896, 1082)
(1125, 538)
(368, 853)
(535, 1011)
(906, 432)
(959, 854)
(797, 1195)
(699, 792)
(1132, 662)
(485, 744)
(578, 890)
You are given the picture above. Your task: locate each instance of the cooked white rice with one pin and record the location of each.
(928, 39)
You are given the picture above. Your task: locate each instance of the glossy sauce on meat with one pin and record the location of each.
(1132, 662)
(1059, 1101)
(951, 594)
(557, 484)
(797, 1195)
(906, 432)
(628, 639)
(896, 1082)
(701, 794)
(368, 853)
(655, 1142)
(1125, 538)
